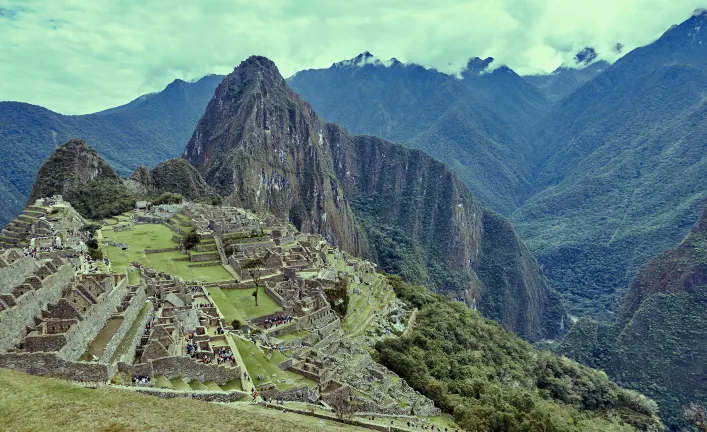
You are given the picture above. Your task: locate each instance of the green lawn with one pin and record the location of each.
(257, 363)
(289, 337)
(154, 236)
(226, 308)
(243, 299)
(29, 403)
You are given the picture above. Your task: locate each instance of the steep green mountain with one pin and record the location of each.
(566, 79)
(505, 93)
(493, 381)
(146, 131)
(448, 118)
(80, 176)
(173, 175)
(260, 145)
(623, 169)
(658, 342)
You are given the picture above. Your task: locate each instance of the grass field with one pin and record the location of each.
(29, 403)
(239, 303)
(243, 299)
(154, 236)
(256, 362)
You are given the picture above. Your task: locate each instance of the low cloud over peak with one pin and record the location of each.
(80, 57)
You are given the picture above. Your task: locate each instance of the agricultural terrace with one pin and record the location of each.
(257, 363)
(151, 237)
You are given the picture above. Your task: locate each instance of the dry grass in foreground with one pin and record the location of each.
(29, 403)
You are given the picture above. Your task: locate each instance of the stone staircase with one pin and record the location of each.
(184, 384)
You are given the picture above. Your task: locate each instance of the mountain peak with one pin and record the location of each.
(68, 169)
(585, 57)
(364, 59)
(477, 65)
(257, 62)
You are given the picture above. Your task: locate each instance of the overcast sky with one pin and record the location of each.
(81, 56)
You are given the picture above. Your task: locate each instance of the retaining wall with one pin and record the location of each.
(129, 316)
(15, 320)
(172, 367)
(50, 365)
(82, 334)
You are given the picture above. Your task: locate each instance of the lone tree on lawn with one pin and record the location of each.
(254, 267)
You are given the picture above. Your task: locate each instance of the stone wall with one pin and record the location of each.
(82, 334)
(15, 273)
(14, 321)
(275, 295)
(204, 395)
(205, 257)
(50, 365)
(172, 367)
(129, 316)
(129, 357)
(169, 249)
(298, 394)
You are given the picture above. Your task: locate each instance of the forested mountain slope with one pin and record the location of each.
(623, 169)
(659, 340)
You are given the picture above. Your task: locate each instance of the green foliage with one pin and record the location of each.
(90, 228)
(254, 267)
(492, 380)
(338, 297)
(190, 240)
(101, 199)
(168, 198)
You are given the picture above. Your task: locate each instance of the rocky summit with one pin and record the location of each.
(260, 145)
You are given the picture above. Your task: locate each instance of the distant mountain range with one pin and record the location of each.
(599, 167)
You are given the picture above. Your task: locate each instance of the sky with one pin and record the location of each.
(82, 56)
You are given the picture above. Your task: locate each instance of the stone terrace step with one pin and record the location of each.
(196, 385)
(212, 386)
(162, 382)
(179, 384)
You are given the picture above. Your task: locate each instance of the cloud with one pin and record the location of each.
(76, 56)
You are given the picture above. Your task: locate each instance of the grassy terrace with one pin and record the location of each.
(257, 363)
(29, 403)
(239, 303)
(155, 236)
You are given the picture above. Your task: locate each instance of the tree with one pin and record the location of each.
(190, 240)
(342, 406)
(254, 267)
(697, 415)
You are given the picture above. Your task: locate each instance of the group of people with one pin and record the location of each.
(279, 320)
(139, 379)
(428, 427)
(225, 355)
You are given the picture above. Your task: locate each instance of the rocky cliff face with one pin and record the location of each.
(659, 341)
(69, 169)
(263, 147)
